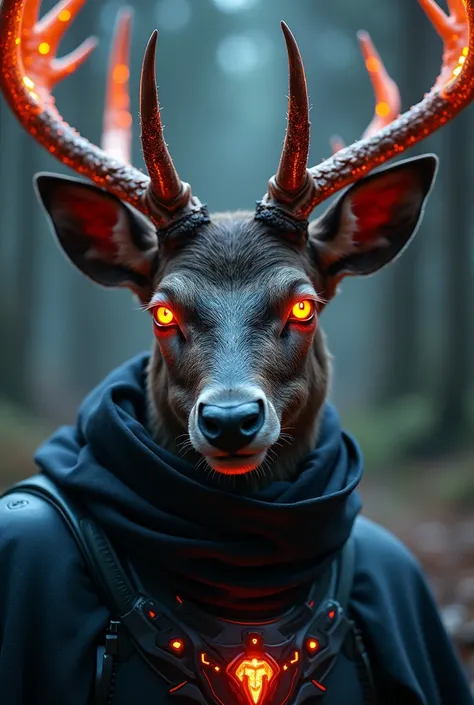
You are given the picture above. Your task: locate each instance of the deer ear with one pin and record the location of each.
(374, 220)
(106, 239)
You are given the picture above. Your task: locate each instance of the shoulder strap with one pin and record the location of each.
(41, 486)
(104, 569)
(98, 554)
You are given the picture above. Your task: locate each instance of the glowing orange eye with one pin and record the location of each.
(303, 311)
(163, 316)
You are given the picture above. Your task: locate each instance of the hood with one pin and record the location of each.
(227, 548)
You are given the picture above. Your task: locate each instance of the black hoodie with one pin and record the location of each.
(236, 553)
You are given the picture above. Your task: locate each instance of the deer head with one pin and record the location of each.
(234, 299)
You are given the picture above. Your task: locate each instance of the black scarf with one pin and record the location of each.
(226, 548)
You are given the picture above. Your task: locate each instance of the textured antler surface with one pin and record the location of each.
(167, 185)
(27, 79)
(34, 107)
(453, 91)
(291, 176)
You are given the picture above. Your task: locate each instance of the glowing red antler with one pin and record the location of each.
(387, 95)
(117, 126)
(453, 91)
(452, 29)
(27, 79)
(39, 41)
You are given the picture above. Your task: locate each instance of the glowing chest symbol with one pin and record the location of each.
(253, 675)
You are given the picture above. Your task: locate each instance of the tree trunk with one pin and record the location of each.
(456, 320)
(18, 261)
(400, 328)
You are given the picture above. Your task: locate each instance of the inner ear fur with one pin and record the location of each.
(370, 224)
(106, 239)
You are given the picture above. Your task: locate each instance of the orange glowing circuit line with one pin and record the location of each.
(319, 685)
(211, 688)
(177, 687)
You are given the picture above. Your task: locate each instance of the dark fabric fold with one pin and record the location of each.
(226, 548)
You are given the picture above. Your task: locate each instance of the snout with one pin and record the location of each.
(233, 429)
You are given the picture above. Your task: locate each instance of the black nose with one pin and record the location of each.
(231, 428)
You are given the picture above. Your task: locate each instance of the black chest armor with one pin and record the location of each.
(207, 660)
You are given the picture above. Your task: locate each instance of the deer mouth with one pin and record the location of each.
(236, 464)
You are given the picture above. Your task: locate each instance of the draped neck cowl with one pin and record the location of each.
(229, 549)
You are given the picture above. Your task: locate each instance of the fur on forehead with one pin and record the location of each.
(233, 247)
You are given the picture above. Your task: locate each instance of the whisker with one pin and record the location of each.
(287, 438)
(185, 445)
(182, 435)
(272, 453)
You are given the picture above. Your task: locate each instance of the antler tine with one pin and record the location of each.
(337, 143)
(451, 29)
(33, 106)
(48, 127)
(453, 91)
(64, 67)
(445, 100)
(438, 18)
(387, 94)
(30, 15)
(117, 123)
(39, 42)
(291, 176)
(456, 8)
(55, 23)
(165, 182)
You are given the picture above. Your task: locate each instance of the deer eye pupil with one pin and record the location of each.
(303, 310)
(163, 316)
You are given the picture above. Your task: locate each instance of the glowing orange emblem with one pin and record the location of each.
(254, 676)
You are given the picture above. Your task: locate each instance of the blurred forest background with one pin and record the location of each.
(402, 341)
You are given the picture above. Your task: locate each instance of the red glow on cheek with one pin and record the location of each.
(306, 326)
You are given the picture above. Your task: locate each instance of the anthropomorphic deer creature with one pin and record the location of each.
(195, 537)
